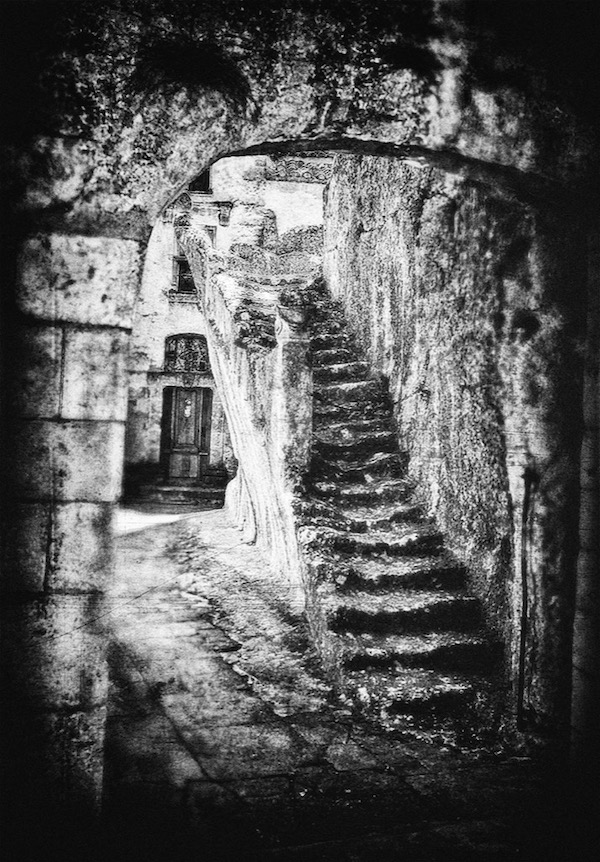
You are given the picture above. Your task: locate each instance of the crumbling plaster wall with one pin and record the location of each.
(472, 306)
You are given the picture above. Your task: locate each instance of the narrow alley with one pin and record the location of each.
(223, 742)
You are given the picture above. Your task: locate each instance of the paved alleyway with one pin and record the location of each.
(223, 742)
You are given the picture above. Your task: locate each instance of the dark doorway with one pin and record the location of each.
(185, 435)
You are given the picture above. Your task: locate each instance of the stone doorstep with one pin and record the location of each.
(175, 495)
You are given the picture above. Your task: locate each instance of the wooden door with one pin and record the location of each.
(185, 440)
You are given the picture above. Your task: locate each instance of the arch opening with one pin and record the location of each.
(98, 172)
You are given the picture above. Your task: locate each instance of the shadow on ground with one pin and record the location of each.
(224, 744)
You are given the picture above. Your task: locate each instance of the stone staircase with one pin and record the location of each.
(408, 641)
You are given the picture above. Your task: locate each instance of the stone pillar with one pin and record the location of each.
(67, 348)
(291, 419)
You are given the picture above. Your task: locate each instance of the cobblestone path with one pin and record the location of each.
(223, 742)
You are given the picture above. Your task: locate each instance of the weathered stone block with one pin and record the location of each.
(80, 555)
(62, 756)
(78, 278)
(95, 377)
(26, 539)
(296, 263)
(68, 460)
(54, 652)
(36, 371)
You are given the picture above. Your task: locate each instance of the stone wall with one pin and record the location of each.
(67, 394)
(471, 305)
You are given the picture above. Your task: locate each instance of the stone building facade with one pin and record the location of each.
(168, 361)
(263, 216)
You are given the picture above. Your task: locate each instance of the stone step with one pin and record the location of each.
(392, 464)
(350, 392)
(446, 650)
(403, 612)
(382, 515)
(442, 571)
(328, 321)
(422, 694)
(346, 429)
(325, 411)
(342, 371)
(359, 519)
(371, 491)
(341, 440)
(413, 540)
(330, 341)
(332, 356)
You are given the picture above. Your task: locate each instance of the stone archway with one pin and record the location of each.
(102, 145)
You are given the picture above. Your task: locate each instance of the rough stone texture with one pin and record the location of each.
(67, 393)
(110, 109)
(207, 81)
(94, 383)
(59, 653)
(68, 461)
(79, 554)
(25, 548)
(91, 280)
(35, 388)
(466, 305)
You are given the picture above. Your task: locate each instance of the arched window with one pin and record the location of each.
(187, 353)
